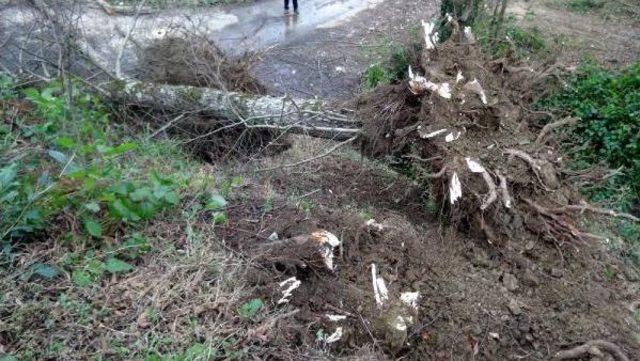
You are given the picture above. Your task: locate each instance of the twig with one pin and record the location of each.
(329, 151)
(551, 126)
(126, 39)
(106, 7)
(440, 174)
(166, 126)
(592, 348)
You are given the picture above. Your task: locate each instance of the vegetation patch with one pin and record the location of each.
(607, 104)
(89, 206)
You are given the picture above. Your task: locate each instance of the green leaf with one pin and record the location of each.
(135, 246)
(251, 308)
(44, 271)
(65, 143)
(92, 227)
(58, 156)
(32, 94)
(8, 175)
(216, 202)
(81, 278)
(115, 265)
(122, 148)
(122, 211)
(219, 217)
(140, 194)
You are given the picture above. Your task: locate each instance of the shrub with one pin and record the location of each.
(608, 104)
(66, 166)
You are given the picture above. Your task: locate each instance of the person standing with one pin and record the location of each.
(286, 6)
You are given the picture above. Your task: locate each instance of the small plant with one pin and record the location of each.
(376, 75)
(512, 39)
(250, 308)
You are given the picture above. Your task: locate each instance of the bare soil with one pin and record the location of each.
(476, 300)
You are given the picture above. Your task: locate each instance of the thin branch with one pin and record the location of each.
(126, 40)
(328, 152)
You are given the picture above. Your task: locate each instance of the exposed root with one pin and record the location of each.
(551, 126)
(492, 195)
(437, 175)
(543, 170)
(504, 191)
(593, 348)
(458, 106)
(558, 226)
(587, 207)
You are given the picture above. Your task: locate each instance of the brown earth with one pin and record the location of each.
(476, 300)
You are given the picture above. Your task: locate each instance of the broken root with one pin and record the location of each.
(593, 348)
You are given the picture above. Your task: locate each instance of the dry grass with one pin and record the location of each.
(181, 294)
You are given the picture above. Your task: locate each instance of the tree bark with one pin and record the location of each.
(280, 113)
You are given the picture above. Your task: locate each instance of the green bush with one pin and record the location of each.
(57, 165)
(608, 104)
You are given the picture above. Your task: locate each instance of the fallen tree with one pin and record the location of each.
(460, 122)
(308, 116)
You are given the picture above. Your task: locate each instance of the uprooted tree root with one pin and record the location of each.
(464, 129)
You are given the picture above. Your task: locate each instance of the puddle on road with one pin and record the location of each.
(264, 23)
(236, 29)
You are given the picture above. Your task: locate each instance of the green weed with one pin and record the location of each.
(585, 5)
(376, 75)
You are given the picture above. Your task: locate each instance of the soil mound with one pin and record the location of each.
(447, 296)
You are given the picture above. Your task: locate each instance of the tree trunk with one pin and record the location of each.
(299, 115)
